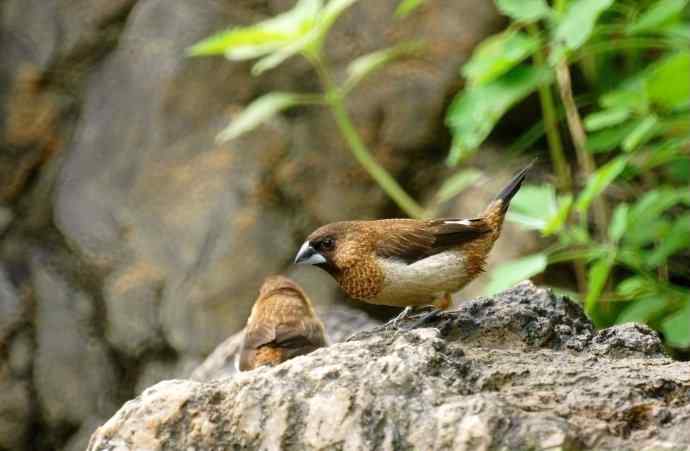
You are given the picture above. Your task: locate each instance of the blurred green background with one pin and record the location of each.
(159, 158)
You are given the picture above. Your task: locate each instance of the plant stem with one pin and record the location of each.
(389, 185)
(577, 133)
(560, 165)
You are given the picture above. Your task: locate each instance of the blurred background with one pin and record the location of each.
(133, 240)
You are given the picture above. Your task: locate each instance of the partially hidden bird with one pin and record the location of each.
(282, 325)
(408, 262)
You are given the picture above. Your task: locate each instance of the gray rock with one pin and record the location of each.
(11, 307)
(520, 370)
(15, 411)
(132, 298)
(80, 439)
(154, 371)
(73, 375)
(6, 217)
(21, 352)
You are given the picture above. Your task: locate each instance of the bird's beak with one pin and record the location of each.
(308, 255)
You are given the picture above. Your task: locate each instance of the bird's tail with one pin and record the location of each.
(496, 211)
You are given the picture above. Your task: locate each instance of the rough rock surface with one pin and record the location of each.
(521, 370)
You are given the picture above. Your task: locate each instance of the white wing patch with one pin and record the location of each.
(461, 222)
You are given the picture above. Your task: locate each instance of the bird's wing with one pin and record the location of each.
(300, 337)
(255, 336)
(295, 337)
(411, 241)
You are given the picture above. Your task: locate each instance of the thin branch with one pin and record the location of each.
(560, 164)
(579, 137)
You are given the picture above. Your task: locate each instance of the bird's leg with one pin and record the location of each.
(439, 305)
(401, 316)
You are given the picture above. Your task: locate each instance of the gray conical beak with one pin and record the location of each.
(308, 255)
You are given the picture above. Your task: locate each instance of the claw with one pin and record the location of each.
(401, 316)
(425, 318)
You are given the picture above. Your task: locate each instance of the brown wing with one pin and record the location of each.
(293, 337)
(410, 240)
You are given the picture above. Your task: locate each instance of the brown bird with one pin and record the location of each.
(408, 262)
(282, 325)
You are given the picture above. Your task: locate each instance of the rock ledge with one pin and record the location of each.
(521, 370)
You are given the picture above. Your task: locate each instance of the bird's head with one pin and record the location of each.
(331, 247)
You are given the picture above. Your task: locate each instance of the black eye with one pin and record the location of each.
(327, 244)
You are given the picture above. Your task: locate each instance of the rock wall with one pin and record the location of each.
(521, 370)
(130, 243)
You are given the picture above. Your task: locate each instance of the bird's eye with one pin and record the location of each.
(327, 244)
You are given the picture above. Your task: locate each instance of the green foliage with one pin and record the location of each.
(636, 63)
(475, 112)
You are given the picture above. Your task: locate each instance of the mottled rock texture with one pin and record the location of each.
(521, 370)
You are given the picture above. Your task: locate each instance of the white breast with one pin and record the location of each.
(420, 283)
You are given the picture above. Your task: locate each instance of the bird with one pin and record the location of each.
(282, 325)
(408, 262)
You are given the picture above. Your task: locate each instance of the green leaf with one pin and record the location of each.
(498, 54)
(577, 23)
(364, 65)
(406, 7)
(457, 183)
(642, 133)
(598, 182)
(475, 111)
(255, 42)
(524, 10)
(609, 138)
(533, 206)
(263, 38)
(508, 274)
(619, 222)
(606, 118)
(645, 220)
(659, 14)
(676, 327)
(643, 310)
(632, 94)
(558, 219)
(598, 274)
(678, 238)
(634, 286)
(668, 83)
(257, 112)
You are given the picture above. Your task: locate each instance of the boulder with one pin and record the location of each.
(524, 369)
(73, 374)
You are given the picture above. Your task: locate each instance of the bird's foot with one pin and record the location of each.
(394, 323)
(425, 318)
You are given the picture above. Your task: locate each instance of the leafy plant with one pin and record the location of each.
(635, 60)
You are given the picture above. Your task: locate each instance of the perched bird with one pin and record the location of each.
(282, 325)
(408, 262)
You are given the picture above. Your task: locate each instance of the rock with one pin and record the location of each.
(11, 307)
(15, 411)
(520, 370)
(341, 321)
(6, 217)
(73, 375)
(21, 354)
(132, 298)
(154, 371)
(80, 439)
